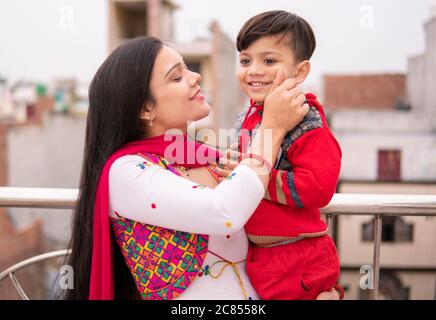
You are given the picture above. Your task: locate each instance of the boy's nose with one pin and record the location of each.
(255, 70)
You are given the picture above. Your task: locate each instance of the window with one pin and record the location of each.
(389, 165)
(131, 19)
(394, 229)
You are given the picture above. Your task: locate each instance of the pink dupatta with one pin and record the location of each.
(102, 269)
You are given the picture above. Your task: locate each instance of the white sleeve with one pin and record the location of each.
(144, 192)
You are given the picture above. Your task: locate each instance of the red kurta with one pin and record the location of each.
(303, 181)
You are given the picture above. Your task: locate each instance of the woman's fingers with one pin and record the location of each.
(235, 146)
(278, 80)
(223, 172)
(285, 106)
(230, 156)
(289, 84)
(300, 99)
(304, 110)
(227, 165)
(233, 155)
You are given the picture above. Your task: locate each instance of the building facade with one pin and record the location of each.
(213, 57)
(388, 137)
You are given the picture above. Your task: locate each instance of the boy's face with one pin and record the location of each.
(259, 63)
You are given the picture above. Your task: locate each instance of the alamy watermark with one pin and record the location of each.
(367, 17)
(66, 280)
(66, 18)
(366, 281)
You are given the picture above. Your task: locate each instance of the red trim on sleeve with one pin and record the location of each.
(272, 188)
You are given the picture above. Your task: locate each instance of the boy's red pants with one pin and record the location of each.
(295, 271)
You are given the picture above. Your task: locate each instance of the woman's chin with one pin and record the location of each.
(205, 111)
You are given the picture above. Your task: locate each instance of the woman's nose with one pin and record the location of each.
(195, 79)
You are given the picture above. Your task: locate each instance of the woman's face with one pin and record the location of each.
(178, 98)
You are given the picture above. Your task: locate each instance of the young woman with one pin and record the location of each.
(154, 224)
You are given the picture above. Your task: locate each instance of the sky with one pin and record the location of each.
(46, 39)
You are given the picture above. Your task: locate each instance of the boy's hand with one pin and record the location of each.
(285, 105)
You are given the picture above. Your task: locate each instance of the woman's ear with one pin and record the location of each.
(302, 71)
(147, 112)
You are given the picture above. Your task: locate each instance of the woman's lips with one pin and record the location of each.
(198, 95)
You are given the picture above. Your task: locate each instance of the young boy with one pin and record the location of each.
(290, 255)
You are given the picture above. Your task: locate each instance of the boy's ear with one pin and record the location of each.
(302, 71)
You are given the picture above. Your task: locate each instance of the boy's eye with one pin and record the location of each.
(244, 61)
(269, 61)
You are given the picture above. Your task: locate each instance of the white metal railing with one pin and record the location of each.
(378, 206)
(10, 272)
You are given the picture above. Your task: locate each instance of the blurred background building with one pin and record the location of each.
(212, 57)
(386, 126)
(37, 120)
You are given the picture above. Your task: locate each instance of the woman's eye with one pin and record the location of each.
(244, 61)
(177, 79)
(269, 61)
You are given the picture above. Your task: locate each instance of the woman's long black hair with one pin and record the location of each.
(117, 95)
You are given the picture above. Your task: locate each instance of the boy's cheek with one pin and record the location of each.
(240, 75)
(288, 73)
(241, 79)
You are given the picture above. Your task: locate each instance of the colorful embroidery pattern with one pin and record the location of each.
(163, 262)
(239, 122)
(160, 161)
(143, 165)
(204, 271)
(310, 122)
(291, 185)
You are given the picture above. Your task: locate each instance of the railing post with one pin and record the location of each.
(328, 218)
(376, 260)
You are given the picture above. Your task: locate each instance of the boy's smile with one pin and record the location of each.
(259, 63)
(256, 85)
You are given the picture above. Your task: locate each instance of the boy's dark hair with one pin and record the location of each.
(300, 35)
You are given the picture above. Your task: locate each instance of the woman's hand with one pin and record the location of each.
(285, 105)
(228, 162)
(284, 108)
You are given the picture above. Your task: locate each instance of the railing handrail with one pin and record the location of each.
(377, 205)
(50, 198)
(342, 203)
(11, 271)
(42, 257)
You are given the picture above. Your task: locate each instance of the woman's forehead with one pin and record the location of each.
(167, 57)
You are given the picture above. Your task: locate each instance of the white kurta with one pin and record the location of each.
(142, 191)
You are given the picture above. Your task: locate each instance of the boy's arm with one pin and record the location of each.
(315, 159)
